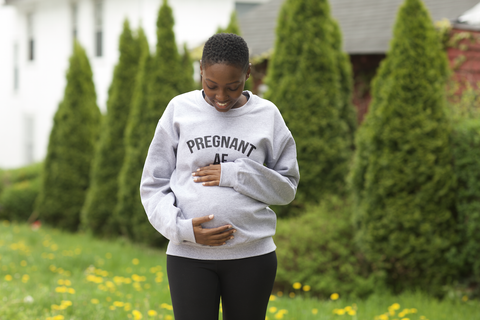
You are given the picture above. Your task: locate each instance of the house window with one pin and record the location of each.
(15, 67)
(30, 37)
(74, 20)
(98, 6)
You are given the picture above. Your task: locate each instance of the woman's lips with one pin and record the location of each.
(221, 105)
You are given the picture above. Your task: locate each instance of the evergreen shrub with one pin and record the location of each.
(403, 180)
(102, 194)
(304, 80)
(65, 176)
(466, 141)
(160, 80)
(318, 249)
(138, 135)
(19, 189)
(166, 82)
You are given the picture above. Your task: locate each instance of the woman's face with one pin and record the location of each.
(223, 85)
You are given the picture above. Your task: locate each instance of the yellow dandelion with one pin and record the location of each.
(112, 308)
(23, 263)
(168, 317)
(94, 301)
(272, 298)
(152, 313)
(166, 306)
(297, 285)
(66, 303)
(465, 298)
(314, 311)
(413, 310)
(405, 319)
(128, 306)
(348, 308)
(135, 261)
(137, 315)
(395, 306)
(340, 312)
(71, 290)
(8, 277)
(291, 294)
(272, 309)
(58, 317)
(280, 293)
(119, 304)
(306, 288)
(334, 296)
(62, 289)
(25, 278)
(68, 283)
(351, 312)
(383, 317)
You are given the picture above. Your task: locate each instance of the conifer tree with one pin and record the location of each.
(102, 195)
(162, 79)
(65, 176)
(304, 81)
(137, 139)
(187, 70)
(347, 111)
(402, 177)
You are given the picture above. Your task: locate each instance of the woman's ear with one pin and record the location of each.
(247, 75)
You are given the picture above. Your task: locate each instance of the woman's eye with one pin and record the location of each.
(211, 88)
(233, 89)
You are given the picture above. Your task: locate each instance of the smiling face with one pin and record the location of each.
(223, 85)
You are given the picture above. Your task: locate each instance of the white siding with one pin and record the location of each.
(42, 81)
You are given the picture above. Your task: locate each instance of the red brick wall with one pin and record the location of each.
(464, 55)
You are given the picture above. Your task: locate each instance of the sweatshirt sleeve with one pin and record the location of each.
(156, 195)
(274, 183)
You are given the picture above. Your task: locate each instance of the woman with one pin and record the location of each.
(219, 158)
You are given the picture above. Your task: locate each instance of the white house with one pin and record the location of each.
(36, 41)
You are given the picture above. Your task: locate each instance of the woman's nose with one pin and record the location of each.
(221, 95)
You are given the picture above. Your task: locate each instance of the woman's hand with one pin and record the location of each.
(211, 237)
(209, 176)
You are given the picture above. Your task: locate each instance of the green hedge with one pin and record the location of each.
(18, 191)
(403, 178)
(466, 140)
(317, 249)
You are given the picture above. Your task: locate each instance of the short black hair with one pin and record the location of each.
(226, 48)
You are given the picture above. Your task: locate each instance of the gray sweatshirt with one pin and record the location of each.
(258, 168)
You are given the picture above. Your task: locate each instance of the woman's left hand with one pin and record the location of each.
(208, 176)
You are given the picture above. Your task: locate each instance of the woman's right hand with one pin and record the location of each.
(211, 237)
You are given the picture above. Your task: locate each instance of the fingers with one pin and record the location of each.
(200, 220)
(214, 236)
(208, 176)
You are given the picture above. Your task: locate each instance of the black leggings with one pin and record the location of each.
(244, 286)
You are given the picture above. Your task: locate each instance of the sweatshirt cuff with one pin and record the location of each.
(185, 230)
(228, 175)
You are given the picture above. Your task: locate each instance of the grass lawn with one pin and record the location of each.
(50, 275)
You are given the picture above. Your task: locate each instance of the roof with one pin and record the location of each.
(366, 24)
